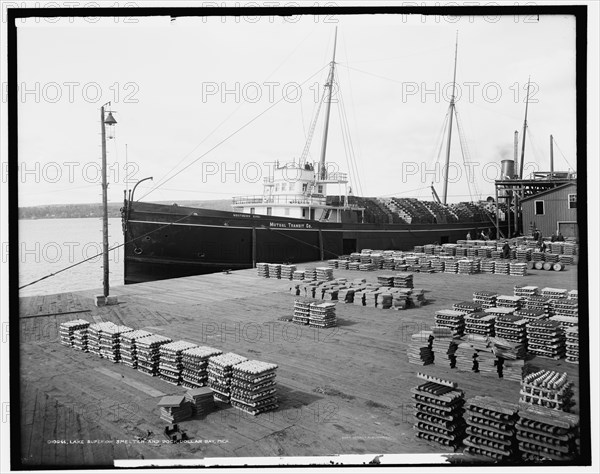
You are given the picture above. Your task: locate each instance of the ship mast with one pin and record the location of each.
(329, 85)
(524, 132)
(451, 111)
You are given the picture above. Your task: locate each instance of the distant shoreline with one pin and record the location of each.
(77, 211)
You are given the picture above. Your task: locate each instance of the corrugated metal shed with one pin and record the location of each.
(552, 210)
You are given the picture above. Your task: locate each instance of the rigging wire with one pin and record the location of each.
(464, 147)
(231, 135)
(348, 136)
(563, 155)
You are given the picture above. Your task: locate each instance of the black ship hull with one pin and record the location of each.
(169, 241)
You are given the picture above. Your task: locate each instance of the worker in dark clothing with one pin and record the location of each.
(506, 250)
(559, 237)
(536, 235)
(542, 245)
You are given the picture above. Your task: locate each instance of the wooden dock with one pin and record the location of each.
(343, 390)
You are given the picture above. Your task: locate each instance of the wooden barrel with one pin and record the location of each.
(547, 266)
(557, 267)
(530, 265)
(539, 265)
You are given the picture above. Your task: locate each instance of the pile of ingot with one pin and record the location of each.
(298, 275)
(466, 267)
(275, 270)
(502, 268)
(466, 357)
(262, 270)
(509, 301)
(565, 322)
(546, 338)
(74, 333)
(539, 302)
(346, 295)
(170, 364)
(467, 307)
(129, 346)
(513, 329)
(333, 263)
(310, 273)
(452, 319)
(148, 355)
(419, 350)
(491, 428)
(302, 311)
(403, 280)
(195, 365)
(487, 266)
(287, 271)
(547, 388)
(324, 274)
(554, 292)
(512, 369)
(343, 264)
(201, 400)
(385, 280)
(220, 372)
(531, 314)
(509, 349)
(547, 434)
(480, 322)
(572, 343)
(322, 315)
(439, 411)
(525, 291)
(518, 269)
(451, 266)
(444, 345)
(486, 299)
(486, 362)
(110, 342)
(95, 333)
(438, 265)
(253, 387)
(175, 408)
(566, 307)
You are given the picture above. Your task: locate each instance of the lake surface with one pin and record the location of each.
(49, 245)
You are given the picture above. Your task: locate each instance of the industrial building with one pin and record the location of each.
(552, 210)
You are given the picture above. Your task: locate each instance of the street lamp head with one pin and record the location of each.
(110, 120)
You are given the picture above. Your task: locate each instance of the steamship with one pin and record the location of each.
(305, 213)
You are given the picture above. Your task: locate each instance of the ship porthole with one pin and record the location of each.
(147, 237)
(137, 251)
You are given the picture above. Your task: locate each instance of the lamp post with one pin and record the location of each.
(106, 121)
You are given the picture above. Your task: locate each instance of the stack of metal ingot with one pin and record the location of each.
(444, 345)
(253, 387)
(148, 354)
(439, 411)
(343, 264)
(322, 315)
(467, 307)
(512, 369)
(509, 301)
(451, 266)
(491, 428)
(532, 314)
(262, 269)
(170, 364)
(302, 311)
(419, 350)
(524, 254)
(377, 260)
(487, 299)
(452, 319)
(466, 267)
(201, 400)
(195, 365)
(572, 343)
(546, 338)
(385, 280)
(324, 273)
(518, 268)
(388, 263)
(465, 357)
(298, 275)
(512, 328)
(129, 346)
(220, 373)
(486, 361)
(539, 302)
(275, 270)
(525, 291)
(346, 295)
(74, 333)
(354, 266)
(547, 388)
(438, 265)
(403, 280)
(554, 293)
(332, 263)
(310, 273)
(480, 322)
(94, 334)
(547, 434)
(488, 266)
(566, 259)
(566, 307)
(110, 342)
(502, 267)
(287, 271)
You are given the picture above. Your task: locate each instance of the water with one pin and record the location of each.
(49, 245)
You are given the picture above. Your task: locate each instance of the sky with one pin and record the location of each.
(222, 98)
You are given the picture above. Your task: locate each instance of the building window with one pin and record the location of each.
(283, 186)
(252, 210)
(286, 211)
(572, 201)
(304, 212)
(304, 187)
(291, 187)
(539, 208)
(320, 189)
(277, 187)
(269, 211)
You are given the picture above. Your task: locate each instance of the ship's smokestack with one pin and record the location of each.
(507, 170)
(516, 152)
